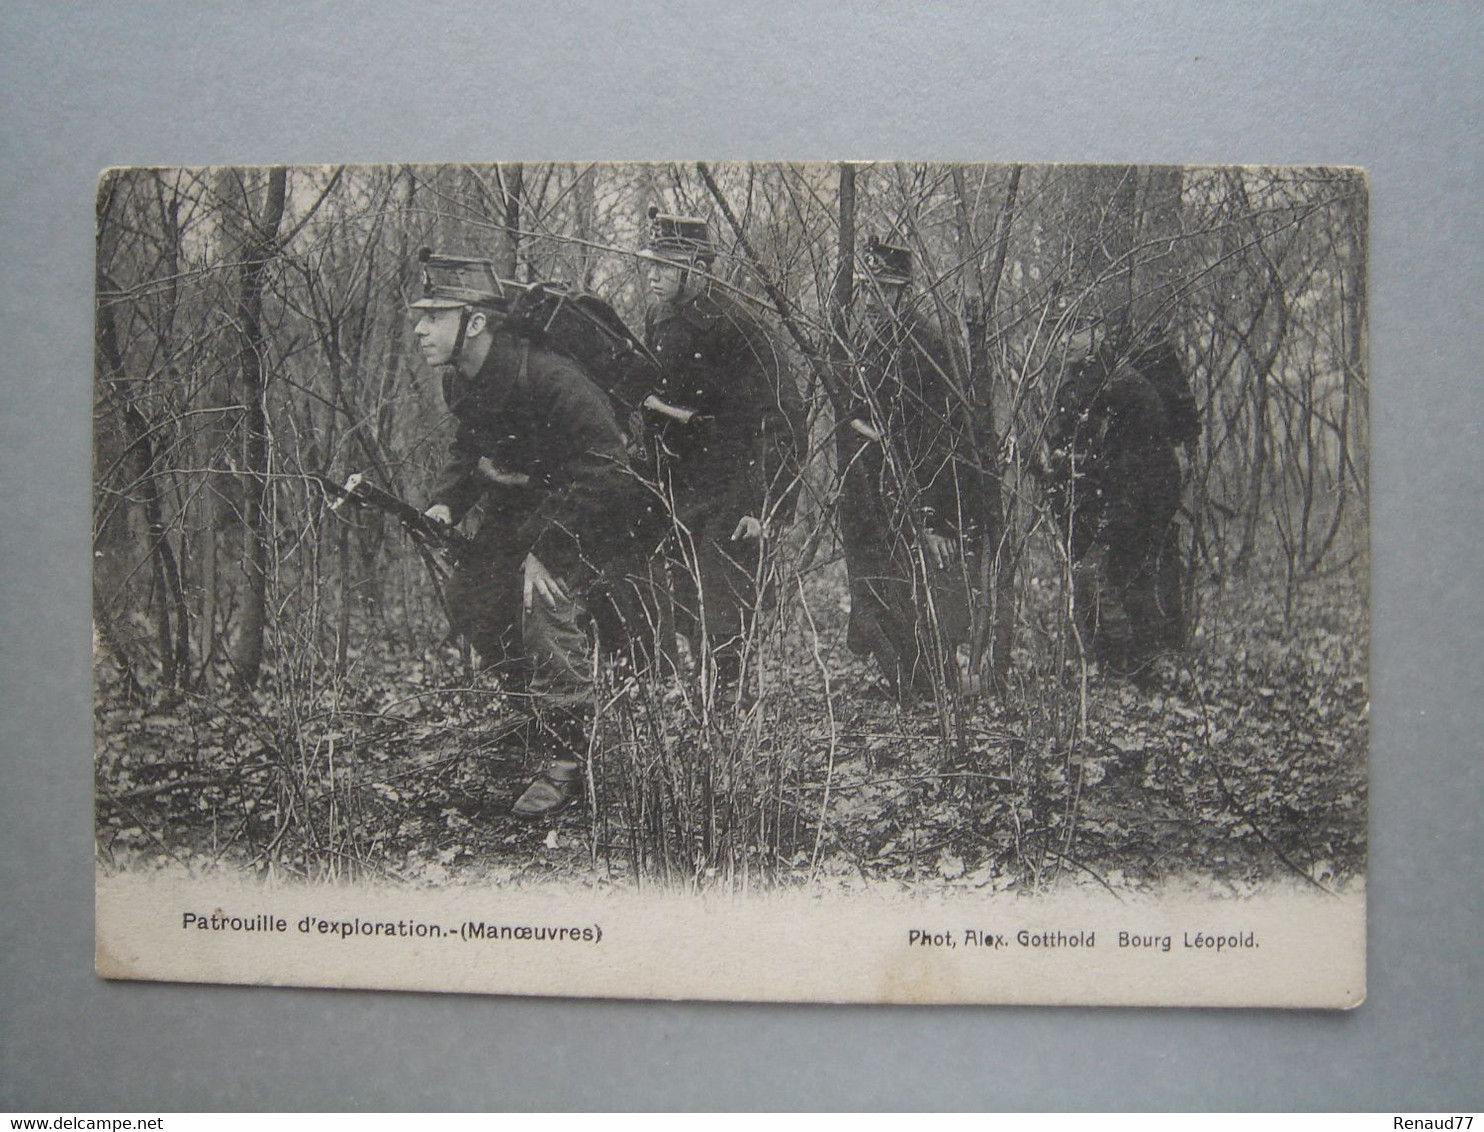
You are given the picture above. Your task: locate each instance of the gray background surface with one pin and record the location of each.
(1393, 87)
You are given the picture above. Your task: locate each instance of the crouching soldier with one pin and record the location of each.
(1114, 482)
(724, 425)
(914, 502)
(538, 446)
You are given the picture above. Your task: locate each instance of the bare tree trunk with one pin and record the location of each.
(1262, 369)
(209, 587)
(1156, 276)
(180, 664)
(171, 633)
(994, 623)
(172, 627)
(584, 206)
(512, 179)
(1099, 235)
(260, 246)
(844, 288)
(842, 294)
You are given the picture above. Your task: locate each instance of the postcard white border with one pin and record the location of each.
(877, 945)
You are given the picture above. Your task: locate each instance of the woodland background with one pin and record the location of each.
(275, 688)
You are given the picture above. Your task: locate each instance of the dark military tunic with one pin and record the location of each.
(739, 457)
(557, 485)
(1160, 365)
(922, 477)
(907, 386)
(719, 361)
(1116, 488)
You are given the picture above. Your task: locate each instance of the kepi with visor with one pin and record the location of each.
(677, 237)
(449, 282)
(886, 264)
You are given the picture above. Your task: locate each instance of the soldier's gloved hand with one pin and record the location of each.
(496, 475)
(674, 412)
(939, 550)
(540, 580)
(439, 513)
(747, 528)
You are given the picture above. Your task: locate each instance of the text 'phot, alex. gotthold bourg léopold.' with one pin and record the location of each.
(996, 527)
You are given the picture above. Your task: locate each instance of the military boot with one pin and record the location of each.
(558, 786)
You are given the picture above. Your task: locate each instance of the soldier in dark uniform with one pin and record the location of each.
(723, 427)
(1155, 357)
(538, 446)
(914, 500)
(1115, 485)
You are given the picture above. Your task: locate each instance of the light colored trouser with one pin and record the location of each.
(558, 647)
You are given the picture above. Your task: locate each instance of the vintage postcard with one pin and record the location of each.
(850, 582)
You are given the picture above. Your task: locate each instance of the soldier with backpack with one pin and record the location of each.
(1115, 484)
(723, 425)
(539, 449)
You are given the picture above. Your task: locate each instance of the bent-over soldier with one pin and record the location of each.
(914, 502)
(723, 425)
(539, 447)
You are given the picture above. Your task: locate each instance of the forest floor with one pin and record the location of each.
(1243, 765)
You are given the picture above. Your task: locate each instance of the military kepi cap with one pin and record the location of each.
(449, 282)
(886, 263)
(678, 237)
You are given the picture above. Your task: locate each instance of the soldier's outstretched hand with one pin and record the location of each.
(747, 528)
(940, 550)
(440, 513)
(540, 580)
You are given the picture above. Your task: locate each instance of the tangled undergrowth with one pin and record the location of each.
(1242, 763)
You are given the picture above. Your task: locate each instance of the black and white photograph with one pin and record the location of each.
(842, 581)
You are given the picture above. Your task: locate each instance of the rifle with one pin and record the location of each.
(426, 532)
